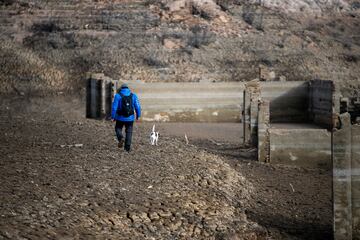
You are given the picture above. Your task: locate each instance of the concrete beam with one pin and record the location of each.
(263, 132)
(99, 95)
(341, 158)
(288, 101)
(190, 102)
(355, 180)
(250, 113)
(324, 103)
(300, 147)
(254, 115)
(246, 117)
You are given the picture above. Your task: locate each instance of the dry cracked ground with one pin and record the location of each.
(63, 177)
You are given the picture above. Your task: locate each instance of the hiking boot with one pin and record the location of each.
(127, 148)
(121, 143)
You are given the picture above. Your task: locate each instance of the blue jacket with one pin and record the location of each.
(117, 104)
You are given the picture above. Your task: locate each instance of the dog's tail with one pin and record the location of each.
(153, 128)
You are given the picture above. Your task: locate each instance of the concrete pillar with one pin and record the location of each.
(246, 116)
(115, 87)
(324, 103)
(92, 98)
(341, 157)
(250, 109)
(254, 113)
(355, 180)
(263, 132)
(102, 98)
(107, 98)
(98, 96)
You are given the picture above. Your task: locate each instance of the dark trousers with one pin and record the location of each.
(128, 133)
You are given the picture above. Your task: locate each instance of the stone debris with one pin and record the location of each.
(173, 44)
(282, 79)
(77, 145)
(186, 139)
(266, 74)
(292, 188)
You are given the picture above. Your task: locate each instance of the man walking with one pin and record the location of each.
(124, 107)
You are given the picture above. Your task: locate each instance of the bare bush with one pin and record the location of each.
(7, 2)
(253, 15)
(47, 27)
(200, 36)
(154, 61)
(351, 58)
(355, 5)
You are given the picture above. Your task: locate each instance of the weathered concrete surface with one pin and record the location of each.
(98, 98)
(246, 117)
(341, 158)
(288, 101)
(99, 95)
(324, 103)
(214, 102)
(355, 180)
(263, 132)
(254, 112)
(198, 102)
(92, 99)
(301, 147)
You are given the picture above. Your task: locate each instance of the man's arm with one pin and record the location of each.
(115, 106)
(137, 107)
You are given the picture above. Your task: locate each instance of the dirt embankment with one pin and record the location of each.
(49, 46)
(63, 176)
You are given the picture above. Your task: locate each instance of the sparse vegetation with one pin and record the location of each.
(253, 15)
(201, 13)
(45, 27)
(7, 2)
(355, 5)
(130, 40)
(153, 61)
(351, 58)
(200, 36)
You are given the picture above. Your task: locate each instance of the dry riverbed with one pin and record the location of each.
(62, 176)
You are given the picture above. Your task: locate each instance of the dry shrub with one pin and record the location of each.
(200, 36)
(7, 2)
(24, 70)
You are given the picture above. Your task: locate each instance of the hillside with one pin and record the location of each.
(48, 46)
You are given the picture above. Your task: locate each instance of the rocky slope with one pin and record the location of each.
(49, 46)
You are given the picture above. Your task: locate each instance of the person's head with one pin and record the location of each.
(123, 86)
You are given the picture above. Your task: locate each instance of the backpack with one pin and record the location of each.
(126, 108)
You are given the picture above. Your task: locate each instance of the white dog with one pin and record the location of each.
(154, 136)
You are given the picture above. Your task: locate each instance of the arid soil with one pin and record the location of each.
(63, 177)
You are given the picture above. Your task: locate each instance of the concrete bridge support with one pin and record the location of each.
(263, 131)
(346, 179)
(355, 179)
(341, 157)
(99, 94)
